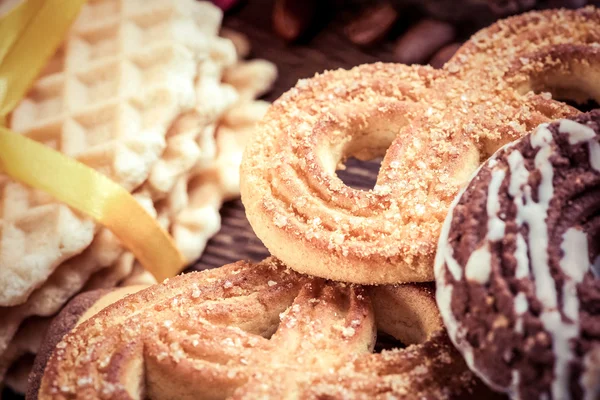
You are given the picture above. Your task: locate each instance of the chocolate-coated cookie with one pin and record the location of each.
(517, 266)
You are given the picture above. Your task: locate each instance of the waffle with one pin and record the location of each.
(234, 131)
(124, 73)
(263, 73)
(190, 210)
(107, 98)
(68, 279)
(124, 272)
(194, 208)
(36, 235)
(198, 221)
(239, 40)
(188, 137)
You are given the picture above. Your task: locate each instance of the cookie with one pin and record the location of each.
(77, 311)
(517, 264)
(258, 331)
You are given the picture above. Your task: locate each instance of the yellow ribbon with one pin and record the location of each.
(92, 193)
(29, 35)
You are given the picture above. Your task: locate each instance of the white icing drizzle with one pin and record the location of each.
(453, 266)
(479, 265)
(521, 303)
(594, 149)
(456, 333)
(521, 306)
(516, 380)
(577, 132)
(519, 325)
(445, 253)
(571, 302)
(518, 173)
(534, 214)
(522, 258)
(574, 264)
(575, 261)
(562, 332)
(444, 256)
(444, 259)
(495, 228)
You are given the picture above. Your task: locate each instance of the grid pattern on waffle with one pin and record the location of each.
(36, 235)
(108, 96)
(124, 73)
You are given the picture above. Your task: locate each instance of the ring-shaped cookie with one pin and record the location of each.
(434, 128)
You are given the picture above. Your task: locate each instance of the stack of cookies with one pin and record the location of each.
(149, 94)
(475, 257)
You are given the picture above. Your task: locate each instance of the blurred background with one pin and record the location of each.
(304, 37)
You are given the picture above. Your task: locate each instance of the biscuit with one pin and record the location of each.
(258, 331)
(518, 262)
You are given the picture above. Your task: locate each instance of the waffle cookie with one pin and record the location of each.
(107, 99)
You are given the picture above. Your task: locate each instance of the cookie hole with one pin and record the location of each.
(573, 75)
(386, 342)
(575, 89)
(353, 140)
(575, 96)
(359, 174)
(586, 106)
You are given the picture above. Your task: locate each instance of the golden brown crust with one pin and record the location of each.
(257, 331)
(531, 44)
(64, 322)
(436, 126)
(78, 310)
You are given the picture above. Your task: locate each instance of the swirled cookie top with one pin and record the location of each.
(258, 331)
(529, 44)
(434, 128)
